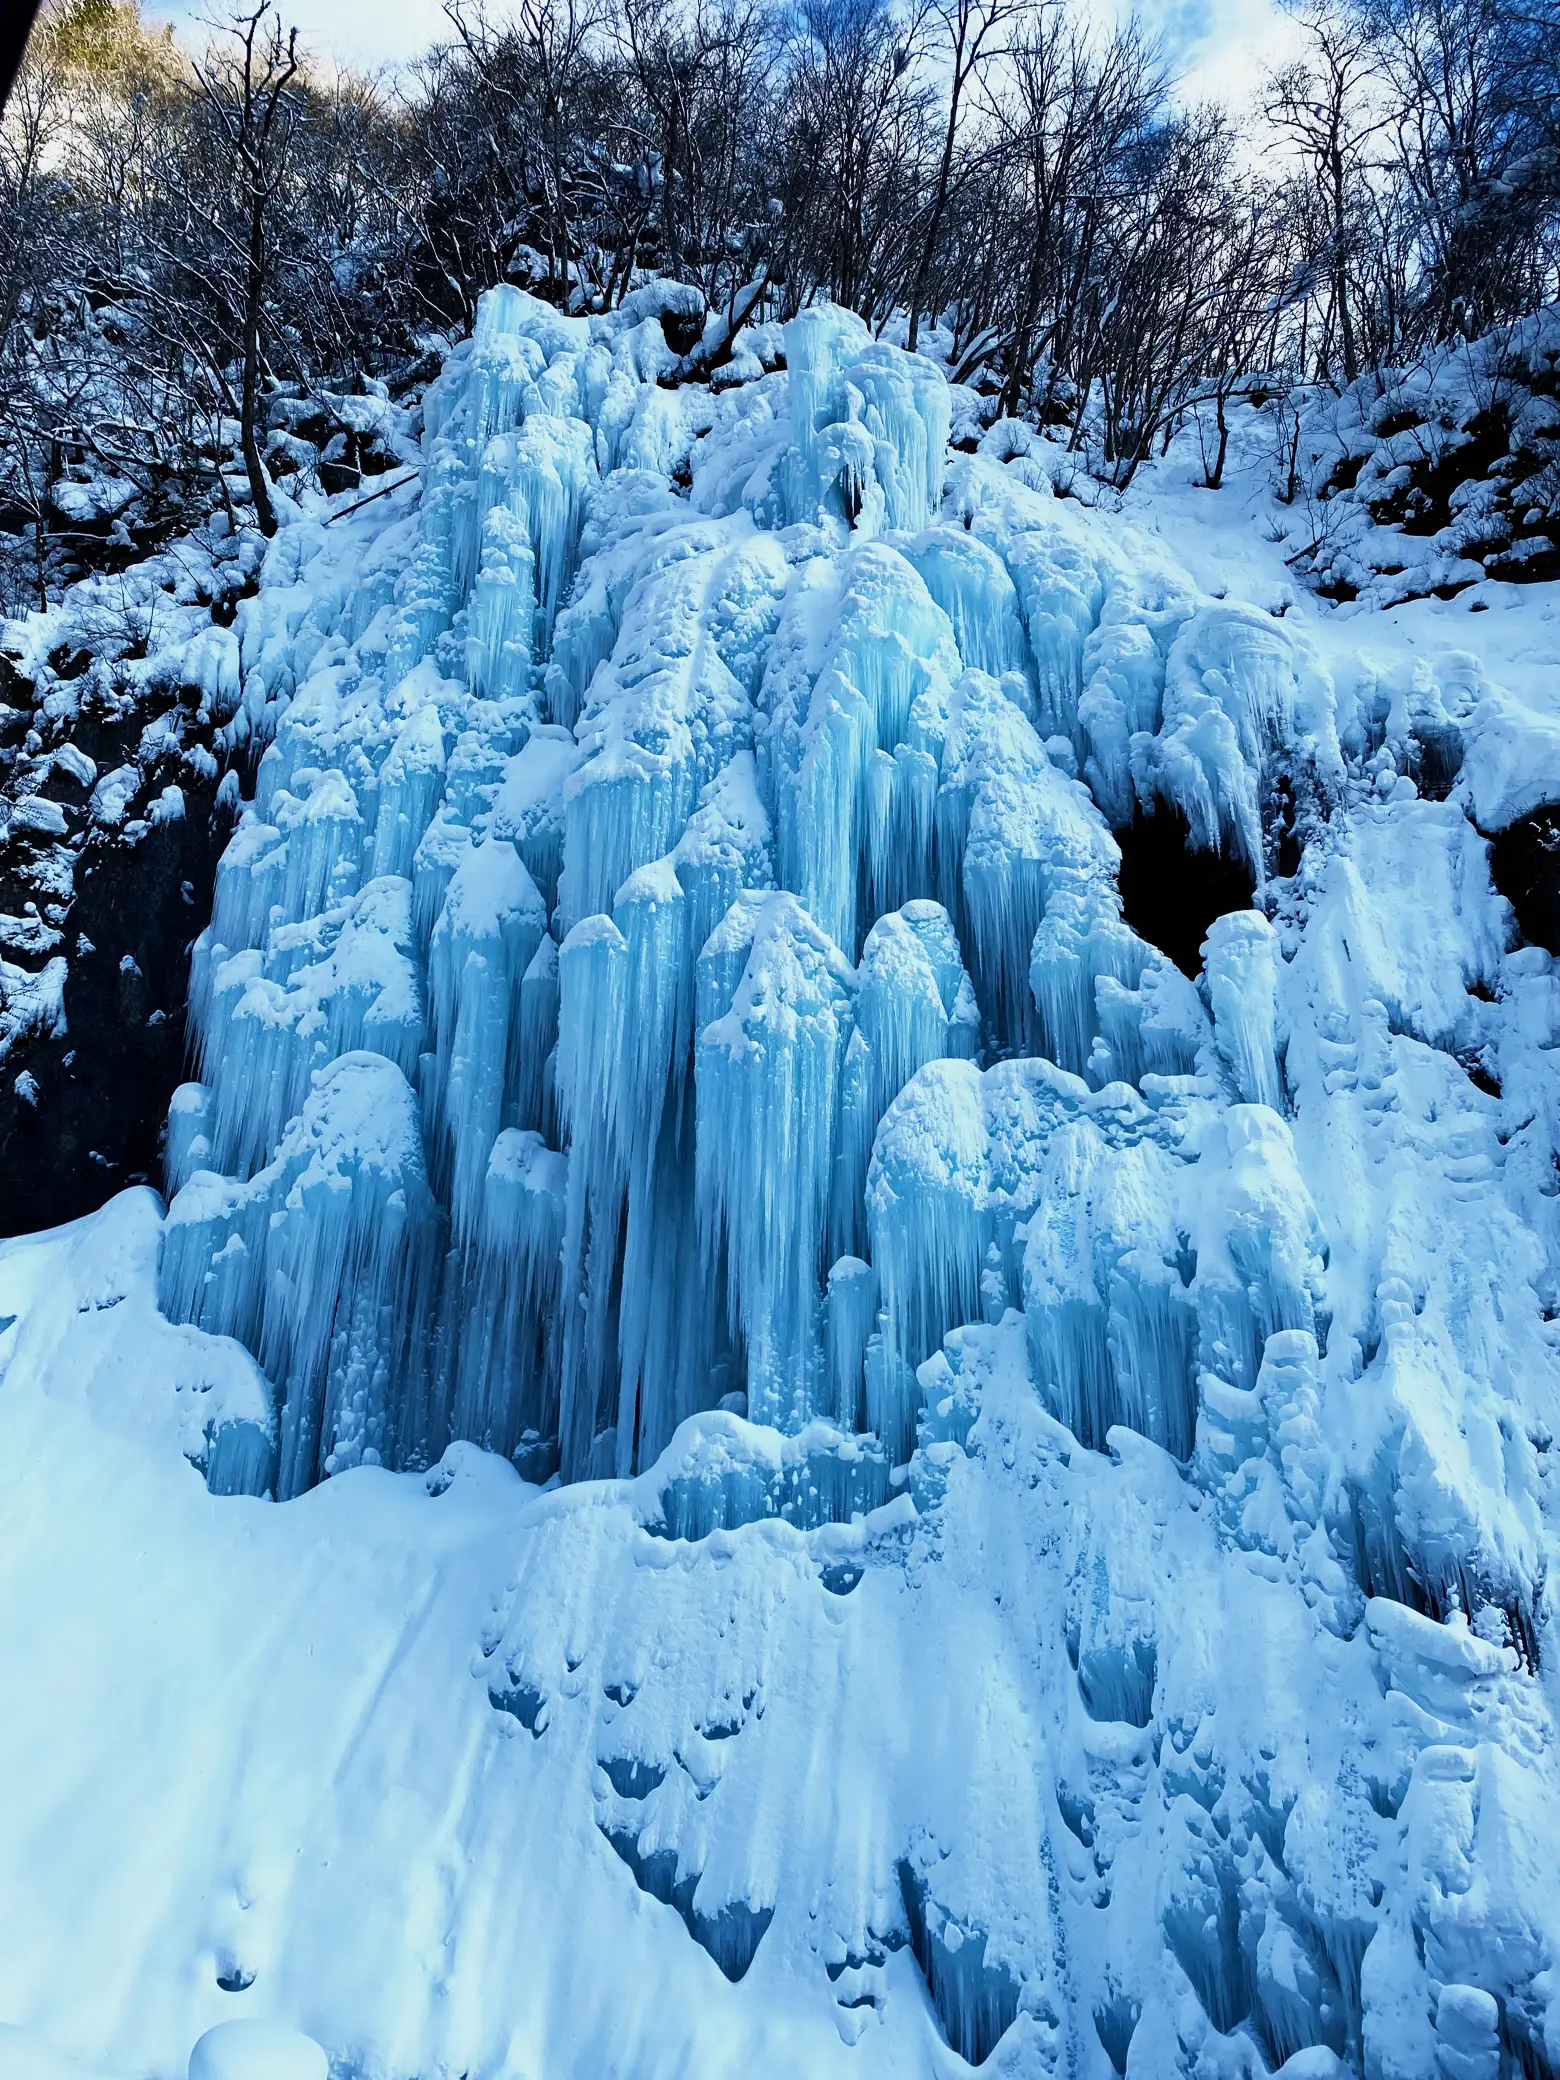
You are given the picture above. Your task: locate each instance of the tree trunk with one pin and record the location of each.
(249, 403)
(1213, 478)
(939, 204)
(1351, 367)
(1018, 354)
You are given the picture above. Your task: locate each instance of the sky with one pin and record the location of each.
(1221, 47)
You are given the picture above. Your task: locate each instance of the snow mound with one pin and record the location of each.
(256, 2051)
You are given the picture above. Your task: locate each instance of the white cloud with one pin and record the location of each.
(365, 34)
(1237, 44)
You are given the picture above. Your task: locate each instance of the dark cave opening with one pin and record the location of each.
(1525, 865)
(1170, 891)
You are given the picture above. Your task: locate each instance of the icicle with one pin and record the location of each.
(815, 343)
(333, 984)
(1235, 680)
(970, 582)
(724, 849)
(528, 807)
(869, 426)
(440, 851)
(427, 593)
(538, 1035)
(477, 764)
(251, 876)
(1157, 1029)
(324, 835)
(722, 1473)
(1061, 586)
(503, 608)
(1240, 975)
(488, 931)
(914, 1006)
(853, 1305)
(507, 1389)
(1112, 1329)
(1111, 1006)
(927, 1217)
(592, 968)
(1111, 1621)
(1081, 938)
(1124, 666)
(774, 1012)
(846, 822)
(976, 1996)
(188, 1146)
(1292, 1411)
(649, 1348)
(1013, 832)
(543, 478)
(411, 782)
(663, 1314)
(322, 1265)
(665, 714)
(1258, 1241)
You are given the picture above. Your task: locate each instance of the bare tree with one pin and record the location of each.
(246, 92)
(856, 148)
(1074, 111)
(1468, 142)
(1323, 105)
(970, 29)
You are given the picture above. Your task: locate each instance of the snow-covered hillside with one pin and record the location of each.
(873, 1477)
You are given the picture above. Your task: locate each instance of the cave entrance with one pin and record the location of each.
(1525, 865)
(1170, 891)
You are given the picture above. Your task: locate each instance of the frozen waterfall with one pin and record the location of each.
(670, 1018)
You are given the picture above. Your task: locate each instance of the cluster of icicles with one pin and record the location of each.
(670, 956)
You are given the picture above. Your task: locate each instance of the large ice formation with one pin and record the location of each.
(1062, 1577)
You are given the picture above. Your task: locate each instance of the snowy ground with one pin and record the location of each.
(1185, 1705)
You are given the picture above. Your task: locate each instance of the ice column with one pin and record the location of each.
(1240, 975)
(344, 980)
(914, 1005)
(849, 761)
(1112, 1327)
(506, 1398)
(775, 1019)
(1013, 833)
(644, 1343)
(926, 1212)
(869, 426)
(487, 934)
(1110, 1005)
(322, 1264)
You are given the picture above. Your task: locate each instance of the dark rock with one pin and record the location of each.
(1525, 863)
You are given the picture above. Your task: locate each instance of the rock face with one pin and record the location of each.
(110, 830)
(91, 1116)
(981, 1108)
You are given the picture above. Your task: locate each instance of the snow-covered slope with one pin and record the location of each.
(1047, 1565)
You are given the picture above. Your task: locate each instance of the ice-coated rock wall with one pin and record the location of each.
(668, 1015)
